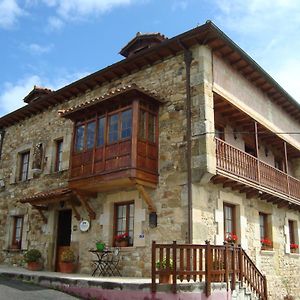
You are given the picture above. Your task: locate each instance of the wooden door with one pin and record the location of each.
(63, 234)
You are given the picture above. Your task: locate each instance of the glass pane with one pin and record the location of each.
(90, 139)
(151, 128)
(113, 128)
(142, 125)
(126, 123)
(79, 138)
(101, 131)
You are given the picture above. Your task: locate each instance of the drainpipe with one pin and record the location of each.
(187, 60)
(2, 133)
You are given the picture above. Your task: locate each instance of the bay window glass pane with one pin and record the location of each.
(142, 125)
(79, 139)
(126, 121)
(90, 139)
(113, 128)
(101, 132)
(151, 128)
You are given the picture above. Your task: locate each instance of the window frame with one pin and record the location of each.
(292, 224)
(24, 165)
(58, 155)
(14, 243)
(233, 219)
(115, 224)
(264, 226)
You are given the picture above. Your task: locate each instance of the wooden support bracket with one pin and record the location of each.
(84, 201)
(146, 197)
(77, 215)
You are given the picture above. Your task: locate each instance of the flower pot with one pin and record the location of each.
(66, 267)
(100, 246)
(123, 243)
(165, 278)
(34, 266)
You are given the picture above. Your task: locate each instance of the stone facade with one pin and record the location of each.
(167, 78)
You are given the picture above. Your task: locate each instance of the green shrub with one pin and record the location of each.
(161, 265)
(32, 255)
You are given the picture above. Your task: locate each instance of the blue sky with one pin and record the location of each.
(54, 42)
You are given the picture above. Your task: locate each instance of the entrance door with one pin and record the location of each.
(63, 233)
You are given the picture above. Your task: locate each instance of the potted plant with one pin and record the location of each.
(32, 257)
(231, 237)
(100, 246)
(165, 267)
(67, 261)
(266, 244)
(122, 240)
(294, 247)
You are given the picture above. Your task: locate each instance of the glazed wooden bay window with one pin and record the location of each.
(117, 141)
(17, 232)
(124, 221)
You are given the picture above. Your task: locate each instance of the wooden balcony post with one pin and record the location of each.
(233, 277)
(257, 153)
(153, 268)
(174, 287)
(226, 265)
(287, 168)
(241, 271)
(208, 268)
(265, 288)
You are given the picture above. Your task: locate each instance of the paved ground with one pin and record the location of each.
(17, 290)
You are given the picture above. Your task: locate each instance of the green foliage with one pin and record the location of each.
(67, 256)
(161, 265)
(32, 255)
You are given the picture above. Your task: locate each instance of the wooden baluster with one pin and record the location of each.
(181, 255)
(233, 278)
(226, 265)
(200, 262)
(241, 274)
(153, 271)
(195, 263)
(208, 267)
(174, 287)
(188, 263)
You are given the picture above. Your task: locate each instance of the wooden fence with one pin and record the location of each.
(206, 263)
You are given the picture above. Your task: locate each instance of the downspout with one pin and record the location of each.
(187, 60)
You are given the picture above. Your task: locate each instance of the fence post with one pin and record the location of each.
(226, 260)
(174, 268)
(241, 274)
(233, 277)
(208, 267)
(265, 288)
(153, 268)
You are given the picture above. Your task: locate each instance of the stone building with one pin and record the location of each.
(185, 139)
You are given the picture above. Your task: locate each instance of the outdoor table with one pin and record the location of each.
(106, 262)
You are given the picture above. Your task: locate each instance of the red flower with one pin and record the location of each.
(294, 246)
(231, 237)
(266, 242)
(122, 237)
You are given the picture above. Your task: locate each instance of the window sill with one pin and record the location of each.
(294, 255)
(267, 252)
(14, 250)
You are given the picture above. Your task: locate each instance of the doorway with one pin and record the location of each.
(63, 234)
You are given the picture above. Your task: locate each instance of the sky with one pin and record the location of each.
(52, 43)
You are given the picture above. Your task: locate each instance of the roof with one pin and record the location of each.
(207, 34)
(45, 197)
(36, 93)
(127, 89)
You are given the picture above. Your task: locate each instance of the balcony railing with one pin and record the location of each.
(244, 165)
(207, 263)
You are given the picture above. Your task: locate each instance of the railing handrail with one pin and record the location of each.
(222, 263)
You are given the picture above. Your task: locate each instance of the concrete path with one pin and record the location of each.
(15, 290)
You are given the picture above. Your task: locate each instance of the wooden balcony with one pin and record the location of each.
(246, 173)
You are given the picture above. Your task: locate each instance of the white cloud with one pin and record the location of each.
(54, 24)
(74, 9)
(12, 94)
(37, 49)
(179, 5)
(9, 12)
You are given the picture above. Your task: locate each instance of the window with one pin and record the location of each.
(220, 132)
(265, 240)
(113, 128)
(151, 128)
(229, 221)
(126, 117)
(90, 135)
(24, 166)
(79, 138)
(17, 232)
(147, 126)
(58, 156)
(294, 246)
(101, 131)
(279, 164)
(142, 124)
(124, 219)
